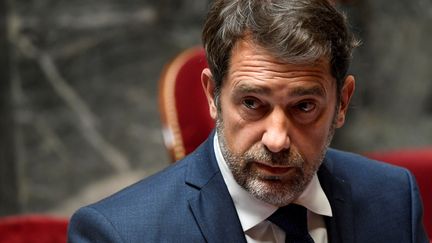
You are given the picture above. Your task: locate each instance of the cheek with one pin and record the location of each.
(312, 140)
(239, 134)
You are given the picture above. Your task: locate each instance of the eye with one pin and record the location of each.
(306, 106)
(306, 112)
(251, 103)
(252, 108)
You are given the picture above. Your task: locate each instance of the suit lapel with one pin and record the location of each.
(216, 215)
(209, 199)
(340, 227)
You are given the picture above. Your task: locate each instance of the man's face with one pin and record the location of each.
(275, 121)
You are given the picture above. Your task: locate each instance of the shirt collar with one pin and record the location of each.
(252, 211)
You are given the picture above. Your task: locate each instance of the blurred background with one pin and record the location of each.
(79, 87)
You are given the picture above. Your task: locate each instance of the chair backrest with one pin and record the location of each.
(33, 228)
(419, 162)
(187, 123)
(182, 103)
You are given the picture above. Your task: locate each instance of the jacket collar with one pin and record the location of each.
(210, 200)
(340, 227)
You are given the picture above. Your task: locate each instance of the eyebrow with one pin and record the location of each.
(246, 88)
(294, 92)
(304, 91)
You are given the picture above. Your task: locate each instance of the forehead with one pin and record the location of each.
(251, 62)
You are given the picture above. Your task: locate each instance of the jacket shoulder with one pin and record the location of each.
(370, 179)
(142, 211)
(351, 164)
(383, 196)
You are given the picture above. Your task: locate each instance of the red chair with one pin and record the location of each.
(33, 228)
(183, 105)
(187, 123)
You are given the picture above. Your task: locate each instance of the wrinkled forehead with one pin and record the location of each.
(246, 50)
(255, 66)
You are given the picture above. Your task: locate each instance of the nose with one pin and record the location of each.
(275, 137)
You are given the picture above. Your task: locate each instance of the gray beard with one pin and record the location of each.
(271, 189)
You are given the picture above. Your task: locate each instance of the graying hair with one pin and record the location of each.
(294, 31)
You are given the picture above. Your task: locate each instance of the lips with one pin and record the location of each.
(273, 170)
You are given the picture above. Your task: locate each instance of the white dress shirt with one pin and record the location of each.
(253, 212)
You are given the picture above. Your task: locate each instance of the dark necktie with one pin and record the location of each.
(292, 219)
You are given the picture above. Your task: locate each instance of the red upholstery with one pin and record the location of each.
(419, 162)
(33, 228)
(183, 105)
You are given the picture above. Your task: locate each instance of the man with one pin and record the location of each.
(277, 86)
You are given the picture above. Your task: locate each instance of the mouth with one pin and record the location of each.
(273, 170)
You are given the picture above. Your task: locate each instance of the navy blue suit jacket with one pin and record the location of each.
(189, 202)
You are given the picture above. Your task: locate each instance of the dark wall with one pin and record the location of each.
(84, 77)
(392, 105)
(8, 171)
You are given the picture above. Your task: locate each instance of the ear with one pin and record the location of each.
(209, 88)
(346, 95)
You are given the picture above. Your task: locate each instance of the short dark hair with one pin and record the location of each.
(294, 31)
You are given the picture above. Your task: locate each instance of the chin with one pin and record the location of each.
(275, 192)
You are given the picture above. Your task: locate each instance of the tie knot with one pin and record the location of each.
(293, 220)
